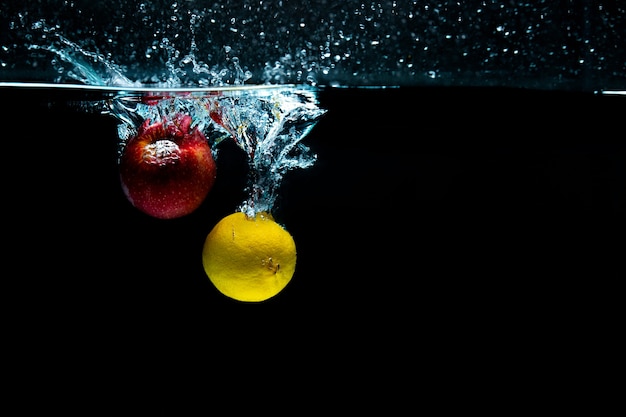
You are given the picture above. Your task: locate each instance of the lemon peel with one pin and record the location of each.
(249, 258)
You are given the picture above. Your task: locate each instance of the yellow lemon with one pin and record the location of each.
(249, 258)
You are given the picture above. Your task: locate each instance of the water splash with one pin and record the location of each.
(268, 124)
(269, 128)
(540, 44)
(73, 62)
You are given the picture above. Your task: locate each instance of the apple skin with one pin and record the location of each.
(167, 169)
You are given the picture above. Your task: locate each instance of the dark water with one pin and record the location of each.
(437, 200)
(446, 232)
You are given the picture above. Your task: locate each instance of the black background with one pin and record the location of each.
(441, 202)
(449, 236)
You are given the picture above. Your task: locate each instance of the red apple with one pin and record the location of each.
(167, 169)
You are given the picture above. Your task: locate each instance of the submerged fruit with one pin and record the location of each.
(249, 259)
(167, 169)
